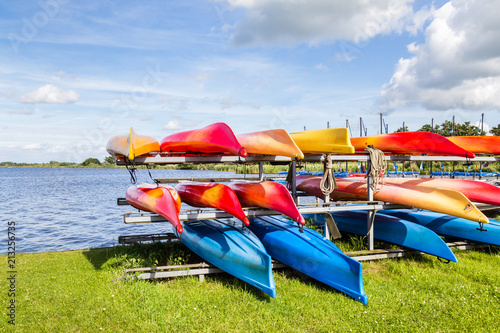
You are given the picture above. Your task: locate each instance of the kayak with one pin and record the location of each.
(267, 194)
(436, 199)
(275, 142)
(411, 143)
(450, 226)
(474, 190)
(482, 144)
(237, 251)
(162, 200)
(213, 195)
(396, 231)
(132, 146)
(310, 253)
(217, 139)
(323, 141)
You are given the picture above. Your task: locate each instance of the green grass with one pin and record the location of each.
(72, 292)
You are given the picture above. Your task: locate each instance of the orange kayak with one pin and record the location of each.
(132, 145)
(275, 142)
(323, 141)
(474, 190)
(213, 195)
(411, 143)
(435, 199)
(217, 138)
(161, 200)
(478, 144)
(268, 195)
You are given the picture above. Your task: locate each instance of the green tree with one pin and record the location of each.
(496, 130)
(110, 160)
(91, 160)
(402, 129)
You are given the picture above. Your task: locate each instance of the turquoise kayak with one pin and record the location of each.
(238, 252)
(310, 253)
(451, 226)
(396, 231)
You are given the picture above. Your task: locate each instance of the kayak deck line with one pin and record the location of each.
(307, 158)
(206, 213)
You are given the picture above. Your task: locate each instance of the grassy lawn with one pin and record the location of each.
(72, 292)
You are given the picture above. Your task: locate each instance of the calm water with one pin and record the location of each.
(68, 209)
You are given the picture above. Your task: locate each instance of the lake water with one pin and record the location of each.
(68, 209)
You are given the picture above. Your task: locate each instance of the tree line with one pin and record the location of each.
(449, 129)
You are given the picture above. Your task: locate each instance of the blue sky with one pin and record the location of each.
(74, 74)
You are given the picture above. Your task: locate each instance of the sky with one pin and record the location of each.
(74, 74)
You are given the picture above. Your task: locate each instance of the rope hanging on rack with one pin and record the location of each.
(377, 166)
(328, 183)
(150, 176)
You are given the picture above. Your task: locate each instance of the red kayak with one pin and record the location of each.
(213, 195)
(268, 195)
(161, 200)
(476, 191)
(478, 144)
(435, 199)
(411, 143)
(217, 138)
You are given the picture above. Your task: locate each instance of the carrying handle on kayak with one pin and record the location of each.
(481, 224)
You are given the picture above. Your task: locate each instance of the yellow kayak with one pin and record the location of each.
(132, 146)
(320, 141)
(271, 142)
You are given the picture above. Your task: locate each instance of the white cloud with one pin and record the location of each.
(202, 77)
(25, 112)
(172, 125)
(228, 102)
(291, 22)
(32, 146)
(50, 94)
(321, 67)
(458, 66)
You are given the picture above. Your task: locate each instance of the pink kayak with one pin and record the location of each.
(161, 200)
(268, 195)
(213, 195)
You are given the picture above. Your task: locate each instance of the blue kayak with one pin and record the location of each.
(311, 254)
(451, 226)
(396, 231)
(238, 252)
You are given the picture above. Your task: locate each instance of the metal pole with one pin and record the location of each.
(294, 181)
(453, 127)
(327, 124)
(404, 127)
(360, 126)
(482, 123)
(369, 191)
(261, 171)
(304, 128)
(432, 125)
(381, 120)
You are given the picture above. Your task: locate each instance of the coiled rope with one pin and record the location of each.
(377, 166)
(328, 183)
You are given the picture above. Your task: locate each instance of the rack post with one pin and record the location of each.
(261, 171)
(369, 191)
(294, 181)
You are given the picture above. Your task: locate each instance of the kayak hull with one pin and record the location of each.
(450, 226)
(482, 144)
(213, 195)
(275, 142)
(238, 252)
(474, 190)
(162, 200)
(267, 194)
(411, 143)
(395, 231)
(322, 141)
(217, 139)
(132, 146)
(310, 253)
(436, 199)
